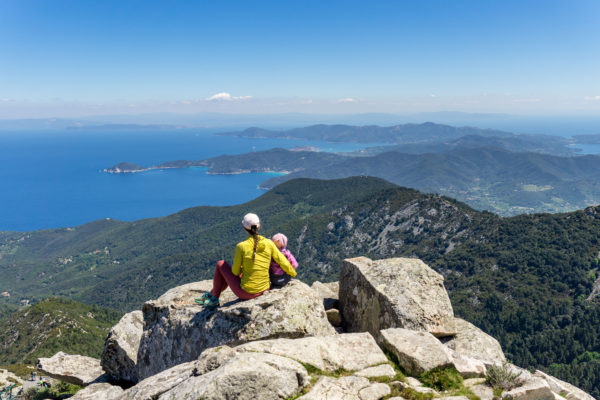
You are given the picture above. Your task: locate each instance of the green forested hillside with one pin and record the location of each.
(54, 325)
(525, 279)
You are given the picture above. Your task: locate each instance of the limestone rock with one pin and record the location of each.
(475, 343)
(75, 369)
(417, 352)
(533, 389)
(564, 388)
(328, 292)
(377, 371)
(245, 376)
(468, 367)
(483, 391)
(119, 357)
(213, 358)
(154, 386)
(8, 378)
(394, 293)
(374, 391)
(327, 388)
(350, 351)
(177, 330)
(334, 317)
(97, 391)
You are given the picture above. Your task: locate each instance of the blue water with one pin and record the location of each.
(587, 148)
(55, 179)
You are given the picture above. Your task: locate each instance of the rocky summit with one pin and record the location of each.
(395, 337)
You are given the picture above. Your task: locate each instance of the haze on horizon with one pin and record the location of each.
(72, 59)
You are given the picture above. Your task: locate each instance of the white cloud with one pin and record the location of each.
(346, 100)
(592, 98)
(224, 96)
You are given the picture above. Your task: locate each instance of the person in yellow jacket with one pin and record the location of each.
(249, 276)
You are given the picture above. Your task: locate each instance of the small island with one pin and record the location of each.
(125, 168)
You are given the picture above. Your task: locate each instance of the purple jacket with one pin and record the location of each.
(275, 269)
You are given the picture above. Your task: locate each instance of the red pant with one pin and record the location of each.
(224, 277)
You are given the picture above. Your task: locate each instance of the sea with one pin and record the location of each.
(56, 179)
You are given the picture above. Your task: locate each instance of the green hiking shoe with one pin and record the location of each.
(213, 302)
(203, 299)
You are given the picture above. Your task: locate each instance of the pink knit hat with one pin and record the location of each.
(281, 239)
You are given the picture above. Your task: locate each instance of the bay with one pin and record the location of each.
(55, 179)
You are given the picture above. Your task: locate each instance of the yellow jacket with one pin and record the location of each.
(255, 275)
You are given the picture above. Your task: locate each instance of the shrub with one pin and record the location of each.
(501, 377)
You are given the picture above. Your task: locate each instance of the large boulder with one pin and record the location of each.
(417, 352)
(328, 292)
(176, 330)
(394, 293)
(347, 388)
(119, 357)
(8, 378)
(350, 351)
(245, 376)
(475, 343)
(104, 391)
(563, 388)
(532, 389)
(75, 369)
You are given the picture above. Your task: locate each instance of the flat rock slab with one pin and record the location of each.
(119, 356)
(176, 330)
(350, 351)
(246, 376)
(154, 386)
(475, 343)
(328, 292)
(97, 391)
(417, 352)
(75, 369)
(564, 388)
(533, 389)
(394, 293)
(383, 370)
(347, 388)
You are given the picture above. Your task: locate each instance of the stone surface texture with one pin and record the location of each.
(176, 330)
(4, 378)
(394, 293)
(564, 388)
(350, 351)
(104, 391)
(327, 388)
(154, 386)
(75, 369)
(328, 292)
(475, 343)
(374, 391)
(533, 389)
(468, 367)
(119, 356)
(377, 371)
(245, 376)
(417, 351)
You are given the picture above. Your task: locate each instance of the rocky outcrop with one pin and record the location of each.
(104, 391)
(475, 343)
(417, 352)
(328, 292)
(8, 378)
(347, 387)
(532, 389)
(176, 330)
(563, 388)
(394, 293)
(119, 357)
(350, 351)
(75, 369)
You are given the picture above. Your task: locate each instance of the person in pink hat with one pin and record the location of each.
(277, 275)
(248, 277)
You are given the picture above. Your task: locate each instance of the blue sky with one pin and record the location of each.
(75, 58)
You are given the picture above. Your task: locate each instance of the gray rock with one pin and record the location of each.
(475, 343)
(377, 371)
(104, 391)
(213, 358)
(327, 388)
(75, 369)
(533, 389)
(350, 351)
(245, 376)
(328, 292)
(394, 293)
(483, 391)
(569, 391)
(417, 352)
(334, 317)
(152, 387)
(176, 330)
(121, 347)
(374, 391)
(5, 381)
(468, 367)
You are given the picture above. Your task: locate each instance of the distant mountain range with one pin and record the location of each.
(527, 280)
(489, 170)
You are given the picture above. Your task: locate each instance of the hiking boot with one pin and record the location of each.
(212, 302)
(203, 299)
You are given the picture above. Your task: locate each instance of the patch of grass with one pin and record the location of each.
(442, 379)
(21, 370)
(411, 394)
(501, 377)
(312, 370)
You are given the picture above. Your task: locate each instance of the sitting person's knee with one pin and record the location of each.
(220, 263)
